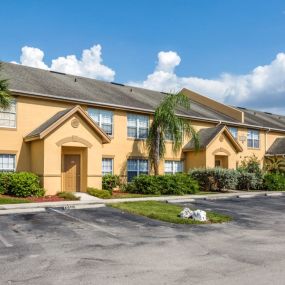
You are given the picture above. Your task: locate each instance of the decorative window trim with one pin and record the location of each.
(100, 122)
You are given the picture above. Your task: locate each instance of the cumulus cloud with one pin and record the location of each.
(90, 65)
(262, 88)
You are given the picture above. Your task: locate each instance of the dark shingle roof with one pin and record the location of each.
(278, 147)
(85, 90)
(205, 137)
(48, 123)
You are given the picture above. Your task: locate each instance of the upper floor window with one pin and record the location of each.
(137, 126)
(7, 162)
(234, 132)
(107, 166)
(253, 138)
(169, 136)
(8, 116)
(172, 167)
(103, 118)
(137, 167)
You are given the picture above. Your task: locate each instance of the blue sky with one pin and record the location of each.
(218, 40)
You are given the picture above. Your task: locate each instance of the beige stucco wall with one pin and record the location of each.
(32, 112)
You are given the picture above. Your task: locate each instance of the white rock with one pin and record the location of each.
(199, 215)
(186, 213)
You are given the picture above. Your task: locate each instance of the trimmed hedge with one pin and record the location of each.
(215, 179)
(104, 194)
(109, 182)
(274, 182)
(21, 184)
(177, 184)
(219, 179)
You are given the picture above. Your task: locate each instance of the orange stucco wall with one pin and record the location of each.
(44, 156)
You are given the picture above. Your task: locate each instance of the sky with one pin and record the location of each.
(230, 50)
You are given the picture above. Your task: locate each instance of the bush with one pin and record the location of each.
(248, 181)
(251, 164)
(21, 184)
(5, 181)
(177, 184)
(109, 182)
(215, 179)
(104, 194)
(274, 182)
(67, 196)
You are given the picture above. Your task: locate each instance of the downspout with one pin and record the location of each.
(220, 122)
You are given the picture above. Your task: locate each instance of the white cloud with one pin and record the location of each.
(263, 87)
(90, 64)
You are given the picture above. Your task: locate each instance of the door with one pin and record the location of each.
(71, 173)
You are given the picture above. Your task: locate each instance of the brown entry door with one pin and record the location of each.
(71, 173)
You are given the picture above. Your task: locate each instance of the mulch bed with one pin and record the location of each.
(45, 199)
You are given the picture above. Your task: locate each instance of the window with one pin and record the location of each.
(172, 166)
(8, 116)
(103, 118)
(253, 138)
(234, 132)
(7, 162)
(169, 136)
(107, 166)
(137, 126)
(137, 167)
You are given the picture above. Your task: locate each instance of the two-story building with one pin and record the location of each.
(72, 130)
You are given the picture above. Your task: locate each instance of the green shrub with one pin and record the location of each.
(5, 181)
(177, 184)
(248, 181)
(24, 184)
(215, 179)
(251, 164)
(109, 182)
(67, 196)
(274, 182)
(104, 194)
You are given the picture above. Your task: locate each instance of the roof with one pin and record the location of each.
(207, 135)
(277, 148)
(44, 83)
(56, 120)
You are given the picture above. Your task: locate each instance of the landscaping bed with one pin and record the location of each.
(165, 212)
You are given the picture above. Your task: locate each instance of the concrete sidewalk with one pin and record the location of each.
(30, 207)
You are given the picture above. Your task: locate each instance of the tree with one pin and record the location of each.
(5, 98)
(275, 164)
(165, 121)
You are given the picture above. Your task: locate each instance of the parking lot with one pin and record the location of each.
(106, 246)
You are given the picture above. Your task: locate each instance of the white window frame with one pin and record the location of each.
(173, 162)
(234, 132)
(112, 166)
(252, 134)
(138, 172)
(12, 111)
(137, 120)
(100, 115)
(9, 156)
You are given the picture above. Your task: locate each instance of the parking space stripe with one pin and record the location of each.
(5, 242)
(83, 222)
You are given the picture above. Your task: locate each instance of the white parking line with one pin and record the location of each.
(5, 242)
(83, 222)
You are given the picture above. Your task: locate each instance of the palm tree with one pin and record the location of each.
(165, 121)
(5, 98)
(275, 164)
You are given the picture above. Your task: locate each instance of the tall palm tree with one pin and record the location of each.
(5, 98)
(165, 121)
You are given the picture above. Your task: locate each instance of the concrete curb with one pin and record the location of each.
(22, 211)
(101, 202)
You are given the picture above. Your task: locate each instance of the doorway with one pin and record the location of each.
(221, 161)
(71, 172)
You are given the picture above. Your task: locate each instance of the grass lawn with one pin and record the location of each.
(12, 200)
(165, 212)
